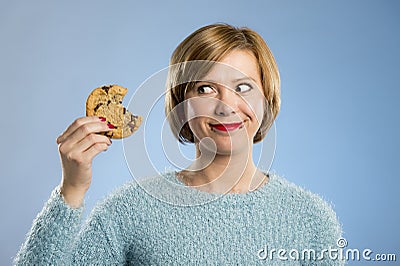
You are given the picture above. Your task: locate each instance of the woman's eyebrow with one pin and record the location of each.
(244, 79)
(208, 81)
(233, 80)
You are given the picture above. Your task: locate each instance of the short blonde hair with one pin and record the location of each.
(212, 43)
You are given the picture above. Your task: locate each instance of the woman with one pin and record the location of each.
(222, 95)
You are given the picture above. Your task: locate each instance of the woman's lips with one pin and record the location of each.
(226, 127)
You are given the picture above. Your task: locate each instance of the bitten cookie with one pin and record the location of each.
(106, 101)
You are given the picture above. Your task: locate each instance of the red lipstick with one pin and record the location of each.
(226, 127)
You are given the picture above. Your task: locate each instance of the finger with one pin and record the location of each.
(91, 140)
(81, 139)
(76, 124)
(77, 152)
(85, 130)
(95, 149)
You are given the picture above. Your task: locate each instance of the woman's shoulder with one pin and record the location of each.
(137, 190)
(310, 207)
(301, 199)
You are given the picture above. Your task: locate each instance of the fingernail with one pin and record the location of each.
(110, 126)
(102, 119)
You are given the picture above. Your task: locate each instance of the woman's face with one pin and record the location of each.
(227, 105)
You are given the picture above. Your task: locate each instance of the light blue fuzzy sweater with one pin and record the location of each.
(132, 227)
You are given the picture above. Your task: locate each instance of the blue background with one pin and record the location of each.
(337, 132)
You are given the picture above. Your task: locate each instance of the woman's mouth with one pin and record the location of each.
(226, 126)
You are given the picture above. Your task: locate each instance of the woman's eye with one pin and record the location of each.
(205, 89)
(244, 87)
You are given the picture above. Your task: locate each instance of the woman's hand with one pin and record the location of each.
(77, 146)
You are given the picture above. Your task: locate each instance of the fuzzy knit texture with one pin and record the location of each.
(159, 221)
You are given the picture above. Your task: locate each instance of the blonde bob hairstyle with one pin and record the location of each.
(211, 43)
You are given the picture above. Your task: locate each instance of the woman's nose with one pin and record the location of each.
(227, 103)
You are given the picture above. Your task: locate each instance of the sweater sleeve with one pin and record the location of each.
(57, 237)
(50, 238)
(101, 240)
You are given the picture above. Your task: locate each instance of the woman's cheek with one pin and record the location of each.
(194, 125)
(199, 107)
(255, 109)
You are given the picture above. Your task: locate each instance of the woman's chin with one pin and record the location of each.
(232, 149)
(227, 145)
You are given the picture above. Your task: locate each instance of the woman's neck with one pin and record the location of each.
(216, 173)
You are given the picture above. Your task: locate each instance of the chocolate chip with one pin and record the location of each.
(108, 102)
(124, 111)
(106, 88)
(97, 107)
